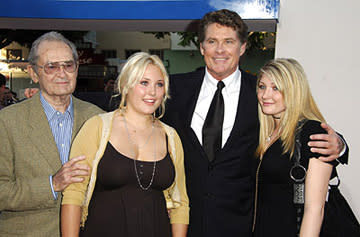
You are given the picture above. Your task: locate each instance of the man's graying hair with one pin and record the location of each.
(50, 36)
(224, 17)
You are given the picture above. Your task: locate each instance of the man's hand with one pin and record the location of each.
(329, 145)
(29, 92)
(70, 173)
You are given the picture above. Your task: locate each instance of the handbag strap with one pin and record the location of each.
(331, 184)
(297, 155)
(299, 182)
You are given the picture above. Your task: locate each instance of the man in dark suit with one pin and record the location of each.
(219, 173)
(35, 139)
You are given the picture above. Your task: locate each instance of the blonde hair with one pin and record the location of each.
(290, 79)
(133, 71)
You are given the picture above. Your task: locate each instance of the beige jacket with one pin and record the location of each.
(91, 142)
(28, 156)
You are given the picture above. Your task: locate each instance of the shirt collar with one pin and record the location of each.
(50, 111)
(230, 81)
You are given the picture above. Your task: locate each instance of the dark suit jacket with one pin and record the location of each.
(220, 192)
(28, 155)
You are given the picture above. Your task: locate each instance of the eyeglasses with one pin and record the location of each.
(53, 67)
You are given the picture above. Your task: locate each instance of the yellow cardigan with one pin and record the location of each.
(91, 141)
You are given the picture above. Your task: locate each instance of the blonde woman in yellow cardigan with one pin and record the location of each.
(137, 181)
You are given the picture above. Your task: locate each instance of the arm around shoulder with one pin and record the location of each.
(330, 145)
(344, 154)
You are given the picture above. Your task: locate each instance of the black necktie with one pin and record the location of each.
(212, 129)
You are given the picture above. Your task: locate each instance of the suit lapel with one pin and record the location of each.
(238, 116)
(78, 118)
(39, 133)
(193, 89)
(246, 99)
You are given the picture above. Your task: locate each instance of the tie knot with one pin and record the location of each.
(220, 85)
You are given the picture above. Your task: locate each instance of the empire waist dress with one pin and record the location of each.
(120, 207)
(275, 212)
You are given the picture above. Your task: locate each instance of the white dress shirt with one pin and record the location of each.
(230, 94)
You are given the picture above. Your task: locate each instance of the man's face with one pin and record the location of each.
(109, 86)
(5, 95)
(221, 50)
(60, 83)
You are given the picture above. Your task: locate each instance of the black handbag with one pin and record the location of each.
(339, 220)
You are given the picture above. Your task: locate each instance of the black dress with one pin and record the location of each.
(275, 212)
(119, 207)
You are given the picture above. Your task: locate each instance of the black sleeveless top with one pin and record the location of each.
(120, 207)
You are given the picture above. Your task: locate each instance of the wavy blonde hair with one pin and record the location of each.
(133, 71)
(289, 77)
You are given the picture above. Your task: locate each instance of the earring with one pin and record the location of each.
(157, 112)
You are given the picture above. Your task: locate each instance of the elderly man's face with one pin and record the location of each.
(59, 83)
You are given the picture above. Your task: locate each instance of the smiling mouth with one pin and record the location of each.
(61, 81)
(149, 101)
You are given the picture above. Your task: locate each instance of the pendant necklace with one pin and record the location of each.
(274, 134)
(135, 166)
(268, 138)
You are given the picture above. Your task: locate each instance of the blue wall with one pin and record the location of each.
(134, 9)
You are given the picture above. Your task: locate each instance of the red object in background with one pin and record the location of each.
(87, 56)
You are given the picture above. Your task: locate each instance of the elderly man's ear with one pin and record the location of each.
(29, 92)
(34, 76)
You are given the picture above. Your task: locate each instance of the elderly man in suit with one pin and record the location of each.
(214, 110)
(35, 140)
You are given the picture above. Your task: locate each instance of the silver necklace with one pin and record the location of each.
(268, 138)
(132, 141)
(135, 166)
